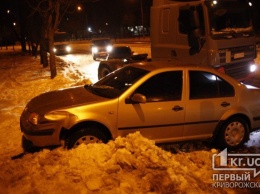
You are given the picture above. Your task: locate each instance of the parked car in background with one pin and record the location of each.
(164, 101)
(117, 58)
(100, 48)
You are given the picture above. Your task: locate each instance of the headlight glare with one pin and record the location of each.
(68, 48)
(109, 48)
(94, 50)
(253, 68)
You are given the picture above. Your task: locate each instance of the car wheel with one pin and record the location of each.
(103, 71)
(234, 133)
(85, 135)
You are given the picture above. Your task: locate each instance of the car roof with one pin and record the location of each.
(177, 65)
(101, 40)
(119, 48)
(173, 64)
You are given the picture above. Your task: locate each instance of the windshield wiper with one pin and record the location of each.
(91, 89)
(101, 90)
(103, 87)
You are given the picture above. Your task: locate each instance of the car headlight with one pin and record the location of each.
(253, 68)
(109, 48)
(34, 118)
(68, 48)
(94, 50)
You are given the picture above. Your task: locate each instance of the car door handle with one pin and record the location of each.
(225, 104)
(177, 108)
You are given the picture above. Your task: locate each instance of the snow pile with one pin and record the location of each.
(22, 78)
(132, 164)
(127, 165)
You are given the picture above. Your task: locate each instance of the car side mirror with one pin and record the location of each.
(195, 39)
(194, 19)
(136, 99)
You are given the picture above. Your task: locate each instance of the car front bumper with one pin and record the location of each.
(41, 135)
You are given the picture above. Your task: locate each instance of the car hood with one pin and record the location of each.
(60, 99)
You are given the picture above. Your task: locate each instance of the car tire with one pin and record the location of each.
(234, 133)
(28, 146)
(85, 135)
(103, 71)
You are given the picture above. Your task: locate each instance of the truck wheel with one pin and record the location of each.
(85, 135)
(233, 133)
(103, 71)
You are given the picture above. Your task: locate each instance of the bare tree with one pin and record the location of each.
(51, 12)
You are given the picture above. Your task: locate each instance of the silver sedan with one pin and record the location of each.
(165, 102)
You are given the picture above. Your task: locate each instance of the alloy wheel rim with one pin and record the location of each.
(86, 140)
(234, 133)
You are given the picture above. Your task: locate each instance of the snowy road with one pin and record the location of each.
(85, 64)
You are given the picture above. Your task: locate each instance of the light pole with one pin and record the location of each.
(142, 15)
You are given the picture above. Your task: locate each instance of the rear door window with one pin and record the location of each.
(207, 85)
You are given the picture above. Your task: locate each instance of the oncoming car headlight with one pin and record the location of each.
(253, 68)
(68, 48)
(94, 50)
(109, 48)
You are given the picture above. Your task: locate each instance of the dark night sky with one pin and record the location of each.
(96, 14)
(113, 10)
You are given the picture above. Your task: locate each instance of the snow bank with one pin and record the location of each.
(127, 165)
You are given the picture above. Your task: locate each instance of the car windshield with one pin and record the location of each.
(101, 42)
(117, 82)
(230, 17)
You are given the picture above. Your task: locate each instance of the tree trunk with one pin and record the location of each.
(43, 53)
(52, 55)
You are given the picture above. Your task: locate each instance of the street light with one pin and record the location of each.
(142, 15)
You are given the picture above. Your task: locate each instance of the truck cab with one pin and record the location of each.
(217, 33)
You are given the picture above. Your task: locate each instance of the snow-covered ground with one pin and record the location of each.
(126, 165)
